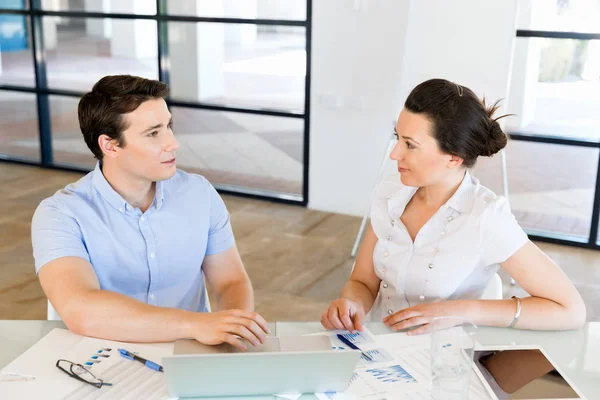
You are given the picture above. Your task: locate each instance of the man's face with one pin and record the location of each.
(149, 144)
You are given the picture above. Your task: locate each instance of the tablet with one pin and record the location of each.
(521, 372)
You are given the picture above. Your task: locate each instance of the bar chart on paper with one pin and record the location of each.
(391, 374)
(379, 355)
(358, 338)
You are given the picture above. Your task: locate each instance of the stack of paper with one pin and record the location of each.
(400, 368)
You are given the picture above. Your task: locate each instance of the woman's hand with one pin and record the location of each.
(421, 315)
(344, 314)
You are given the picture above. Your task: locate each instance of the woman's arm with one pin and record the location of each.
(554, 304)
(363, 285)
(359, 293)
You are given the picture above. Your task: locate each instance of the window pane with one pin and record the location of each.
(139, 7)
(15, 4)
(16, 59)
(551, 187)
(19, 125)
(67, 141)
(251, 9)
(80, 51)
(559, 15)
(245, 150)
(555, 88)
(238, 64)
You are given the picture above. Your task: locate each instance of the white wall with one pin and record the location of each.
(369, 60)
(356, 58)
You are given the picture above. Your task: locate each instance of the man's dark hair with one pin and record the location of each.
(102, 111)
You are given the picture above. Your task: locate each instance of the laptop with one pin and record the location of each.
(293, 364)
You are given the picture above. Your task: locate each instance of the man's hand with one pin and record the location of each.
(230, 327)
(344, 314)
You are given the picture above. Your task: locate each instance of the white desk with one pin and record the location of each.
(577, 353)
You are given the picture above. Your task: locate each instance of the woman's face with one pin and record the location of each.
(420, 160)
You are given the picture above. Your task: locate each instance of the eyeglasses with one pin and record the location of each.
(80, 372)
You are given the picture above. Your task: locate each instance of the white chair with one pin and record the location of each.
(52, 314)
(493, 291)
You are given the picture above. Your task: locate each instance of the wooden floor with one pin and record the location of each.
(297, 259)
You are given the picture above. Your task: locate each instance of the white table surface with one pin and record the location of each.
(576, 353)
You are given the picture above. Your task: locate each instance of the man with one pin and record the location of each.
(123, 253)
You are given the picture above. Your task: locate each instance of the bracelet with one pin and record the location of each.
(518, 313)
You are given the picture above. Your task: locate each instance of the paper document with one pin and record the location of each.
(99, 356)
(130, 379)
(400, 368)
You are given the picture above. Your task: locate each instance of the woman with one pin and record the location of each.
(437, 236)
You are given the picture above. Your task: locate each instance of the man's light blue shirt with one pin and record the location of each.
(155, 257)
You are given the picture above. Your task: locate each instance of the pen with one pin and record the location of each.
(353, 346)
(149, 364)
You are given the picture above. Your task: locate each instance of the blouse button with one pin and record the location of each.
(431, 266)
(386, 254)
(390, 312)
(385, 285)
(421, 297)
(450, 218)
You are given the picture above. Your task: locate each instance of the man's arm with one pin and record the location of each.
(73, 289)
(229, 281)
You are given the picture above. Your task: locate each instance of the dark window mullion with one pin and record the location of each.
(306, 148)
(526, 33)
(164, 68)
(595, 208)
(41, 83)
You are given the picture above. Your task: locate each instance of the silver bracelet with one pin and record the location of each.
(517, 314)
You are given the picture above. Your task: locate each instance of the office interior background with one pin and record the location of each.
(287, 107)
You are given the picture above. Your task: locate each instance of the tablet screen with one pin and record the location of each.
(521, 374)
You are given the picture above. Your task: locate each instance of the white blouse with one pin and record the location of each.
(454, 255)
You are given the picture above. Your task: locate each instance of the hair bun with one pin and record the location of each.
(497, 139)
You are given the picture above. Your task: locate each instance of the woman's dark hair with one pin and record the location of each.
(462, 123)
(102, 110)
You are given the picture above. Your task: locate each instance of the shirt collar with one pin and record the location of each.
(114, 198)
(461, 201)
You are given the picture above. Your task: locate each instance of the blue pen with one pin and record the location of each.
(149, 364)
(353, 346)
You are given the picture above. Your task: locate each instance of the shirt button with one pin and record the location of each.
(450, 219)
(151, 255)
(385, 285)
(389, 238)
(386, 254)
(443, 233)
(142, 219)
(151, 296)
(431, 266)
(421, 297)
(390, 312)
(121, 209)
